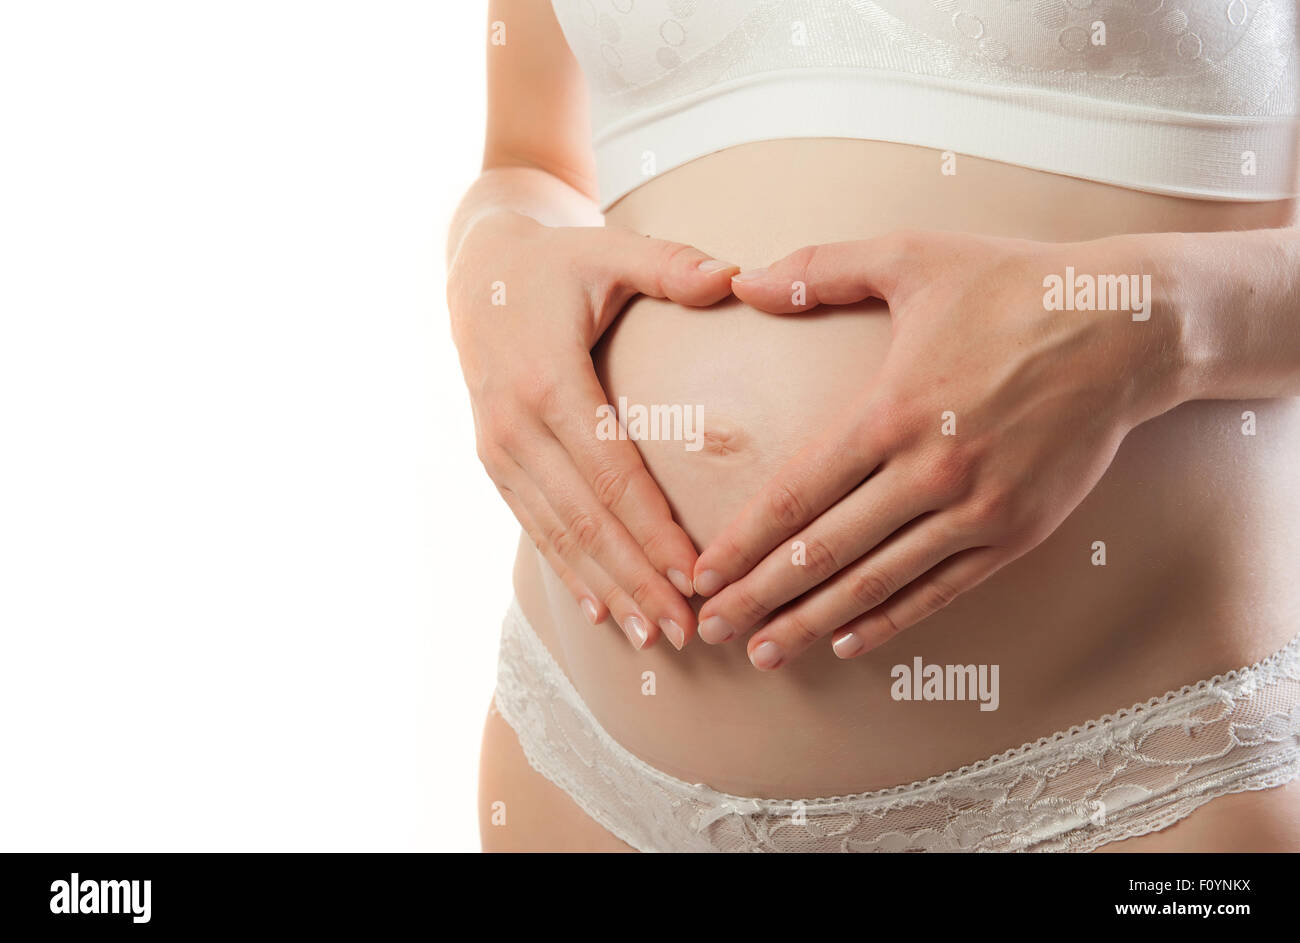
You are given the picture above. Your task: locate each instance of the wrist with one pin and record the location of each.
(1206, 305)
(1173, 305)
(1166, 363)
(1232, 298)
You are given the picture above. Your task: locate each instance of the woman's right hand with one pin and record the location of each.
(528, 302)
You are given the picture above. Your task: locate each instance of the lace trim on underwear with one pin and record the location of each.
(1073, 790)
(1282, 663)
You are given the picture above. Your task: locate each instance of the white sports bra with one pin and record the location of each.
(1196, 98)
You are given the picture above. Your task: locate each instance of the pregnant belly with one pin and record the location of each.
(1197, 520)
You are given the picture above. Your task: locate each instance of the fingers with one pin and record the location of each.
(542, 526)
(837, 273)
(619, 479)
(921, 599)
(635, 264)
(818, 476)
(588, 601)
(849, 529)
(858, 589)
(586, 526)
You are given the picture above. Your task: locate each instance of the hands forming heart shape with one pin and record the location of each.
(1008, 386)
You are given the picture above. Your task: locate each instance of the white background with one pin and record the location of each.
(251, 573)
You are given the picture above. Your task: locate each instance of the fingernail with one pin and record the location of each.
(635, 631)
(765, 656)
(708, 583)
(848, 645)
(674, 633)
(751, 275)
(715, 265)
(589, 610)
(715, 630)
(683, 585)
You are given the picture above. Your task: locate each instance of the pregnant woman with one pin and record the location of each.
(907, 458)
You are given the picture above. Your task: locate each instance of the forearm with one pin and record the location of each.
(1236, 299)
(525, 191)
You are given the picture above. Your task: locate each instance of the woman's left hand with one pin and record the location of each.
(989, 422)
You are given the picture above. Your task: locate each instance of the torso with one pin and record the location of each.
(1198, 519)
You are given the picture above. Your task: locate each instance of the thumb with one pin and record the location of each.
(631, 264)
(837, 273)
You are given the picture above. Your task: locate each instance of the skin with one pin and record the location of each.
(825, 719)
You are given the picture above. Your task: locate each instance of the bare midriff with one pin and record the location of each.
(1198, 519)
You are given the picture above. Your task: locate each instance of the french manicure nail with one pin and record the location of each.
(635, 631)
(681, 583)
(765, 656)
(589, 610)
(751, 275)
(715, 630)
(674, 633)
(709, 266)
(846, 646)
(708, 583)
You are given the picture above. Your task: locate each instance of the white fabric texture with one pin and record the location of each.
(1195, 98)
(1130, 773)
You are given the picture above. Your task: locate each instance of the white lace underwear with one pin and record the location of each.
(1129, 773)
